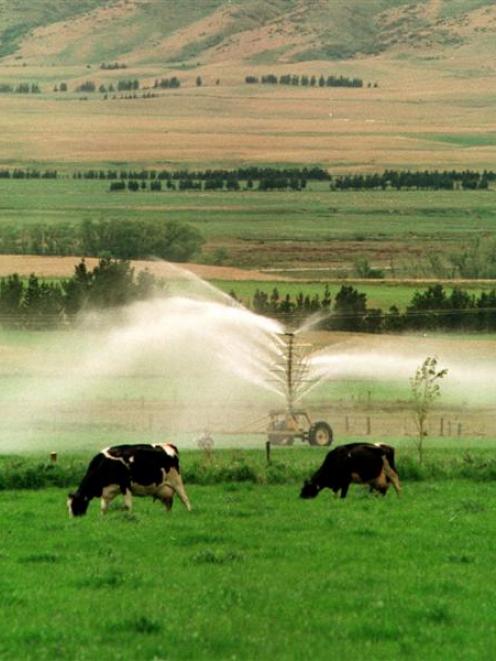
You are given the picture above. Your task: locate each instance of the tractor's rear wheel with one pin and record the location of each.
(320, 433)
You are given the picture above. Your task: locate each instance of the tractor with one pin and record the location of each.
(285, 426)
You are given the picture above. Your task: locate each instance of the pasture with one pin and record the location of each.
(313, 234)
(423, 114)
(253, 572)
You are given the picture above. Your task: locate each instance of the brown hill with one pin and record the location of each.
(252, 32)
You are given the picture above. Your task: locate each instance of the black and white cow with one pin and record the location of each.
(142, 470)
(362, 463)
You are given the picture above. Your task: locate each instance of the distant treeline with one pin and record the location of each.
(311, 173)
(296, 178)
(112, 66)
(432, 309)
(229, 184)
(28, 174)
(267, 179)
(40, 305)
(407, 180)
(20, 88)
(129, 85)
(165, 83)
(33, 303)
(306, 81)
(133, 239)
(122, 86)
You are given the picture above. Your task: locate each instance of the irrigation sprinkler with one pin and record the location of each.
(289, 423)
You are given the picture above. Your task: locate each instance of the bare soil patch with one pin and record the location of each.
(61, 267)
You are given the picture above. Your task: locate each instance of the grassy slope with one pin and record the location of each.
(20, 17)
(316, 31)
(254, 573)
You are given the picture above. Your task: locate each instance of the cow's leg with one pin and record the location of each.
(344, 489)
(128, 500)
(166, 495)
(174, 480)
(392, 476)
(108, 495)
(380, 483)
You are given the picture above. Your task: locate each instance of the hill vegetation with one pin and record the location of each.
(256, 31)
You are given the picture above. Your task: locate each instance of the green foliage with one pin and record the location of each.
(364, 270)
(133, 239)
(173, 241)
(42, 305)
(425, 390)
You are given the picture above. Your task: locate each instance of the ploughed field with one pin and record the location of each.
(255, 572)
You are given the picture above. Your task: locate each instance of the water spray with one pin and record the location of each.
(289, 423)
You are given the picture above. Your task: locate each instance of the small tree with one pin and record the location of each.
(425, 390)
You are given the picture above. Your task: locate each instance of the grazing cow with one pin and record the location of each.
(362, 463)
(143, 470)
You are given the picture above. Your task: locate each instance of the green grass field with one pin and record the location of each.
(312, 230)
(379, 295)
(324, 213)
(252, 572)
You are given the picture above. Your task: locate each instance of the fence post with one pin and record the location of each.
(368, 426)
(346, 424)
(267, 452)
(441, 427)
(459, 429)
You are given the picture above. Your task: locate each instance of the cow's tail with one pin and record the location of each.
(391, 475)
(174, 480)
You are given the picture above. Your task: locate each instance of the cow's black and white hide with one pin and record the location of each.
(361, 463)
(142, 470)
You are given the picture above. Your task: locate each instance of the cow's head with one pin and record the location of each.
(77, 504)
(309, 489)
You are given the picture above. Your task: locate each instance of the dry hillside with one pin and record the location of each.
(249, 31)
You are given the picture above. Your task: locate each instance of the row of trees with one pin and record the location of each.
(408, 180)
(432, 309)
(20, 88)
(306, 81)
(122, 86)
(134, 239)
(254, 173)
(112, 283)
(230, 184)
(112, 66)
(18, 173)
(41, 305)
(165, 83)
(387, 180)
(280, 179)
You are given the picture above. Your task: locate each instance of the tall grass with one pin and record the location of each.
(289, 466)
